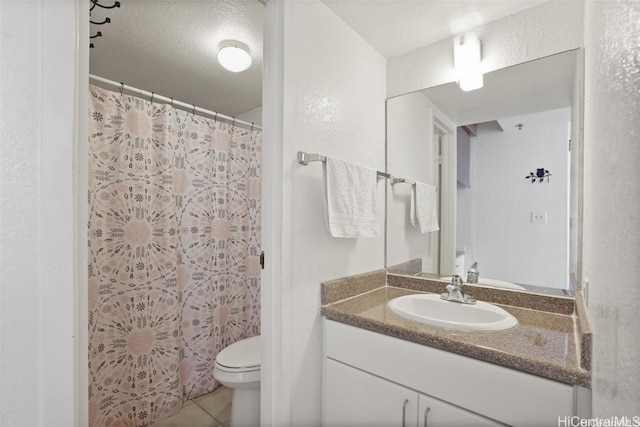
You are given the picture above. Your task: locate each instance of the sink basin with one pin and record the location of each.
(491, 282)
(432, 310)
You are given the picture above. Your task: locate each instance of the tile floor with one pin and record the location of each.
(210, 410)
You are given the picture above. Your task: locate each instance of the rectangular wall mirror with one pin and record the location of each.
(505, 160)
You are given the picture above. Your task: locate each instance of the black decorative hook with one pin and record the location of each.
(97, 3)
(106, 21)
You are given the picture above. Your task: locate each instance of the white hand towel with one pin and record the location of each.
(350, 199)
(423, 207)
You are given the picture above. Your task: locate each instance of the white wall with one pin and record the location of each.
(333, 104)
(20, 198)
(410, 155)
(504, 241)
(540, 31)
(612, 202)
(38, 52)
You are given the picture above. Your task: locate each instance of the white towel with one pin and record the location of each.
(423, 207)
(350, 199)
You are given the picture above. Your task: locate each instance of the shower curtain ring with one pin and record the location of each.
(121, 88)
(171, 102)
(234, 122)
(252, 126)
(152, 93)
(215, 118)
(194, 109)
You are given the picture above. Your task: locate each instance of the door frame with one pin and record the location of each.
(448, 179)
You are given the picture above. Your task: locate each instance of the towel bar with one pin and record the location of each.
(305, 158)
(395, 181)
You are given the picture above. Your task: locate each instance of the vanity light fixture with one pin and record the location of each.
(466, 58)
(234, 56)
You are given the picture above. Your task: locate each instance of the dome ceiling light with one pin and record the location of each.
(234, 56)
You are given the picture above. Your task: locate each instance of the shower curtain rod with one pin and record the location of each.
(178, 104)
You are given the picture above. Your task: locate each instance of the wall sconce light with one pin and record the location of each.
(234, 56)
(466, 58)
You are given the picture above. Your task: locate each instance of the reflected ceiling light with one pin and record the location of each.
(234, 56)
(466, 58)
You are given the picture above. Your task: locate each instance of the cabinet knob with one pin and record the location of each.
(426, 416)
(404, 411)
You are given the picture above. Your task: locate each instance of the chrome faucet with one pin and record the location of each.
(455, 292)
(473, 273)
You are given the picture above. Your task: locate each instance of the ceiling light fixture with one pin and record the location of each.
(234, 56)
(466, 58)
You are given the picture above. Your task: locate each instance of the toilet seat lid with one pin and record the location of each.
(242, 354)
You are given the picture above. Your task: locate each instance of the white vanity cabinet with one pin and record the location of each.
(374, 379)
(358, 398)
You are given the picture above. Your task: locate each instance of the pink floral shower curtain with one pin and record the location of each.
(174, 247)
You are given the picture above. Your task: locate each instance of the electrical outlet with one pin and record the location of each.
(539, 217)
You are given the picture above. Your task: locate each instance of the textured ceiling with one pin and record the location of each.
(395, 27)
(169, 47)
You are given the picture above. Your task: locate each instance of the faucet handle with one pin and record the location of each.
(457, 281)
(474, 268)
(455, 291)
(472, 274)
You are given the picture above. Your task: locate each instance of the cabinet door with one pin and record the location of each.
(436, 413)
(356, 398)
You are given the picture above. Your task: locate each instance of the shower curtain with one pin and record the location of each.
(174, 254)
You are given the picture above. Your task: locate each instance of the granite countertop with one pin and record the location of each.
(546, 343)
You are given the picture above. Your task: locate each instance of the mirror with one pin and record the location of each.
(506, 173)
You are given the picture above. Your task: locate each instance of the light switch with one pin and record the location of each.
(539, 217)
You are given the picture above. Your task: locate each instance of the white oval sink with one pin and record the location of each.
(432, 310)
(491, 282)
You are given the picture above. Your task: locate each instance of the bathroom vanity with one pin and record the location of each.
(381, 369)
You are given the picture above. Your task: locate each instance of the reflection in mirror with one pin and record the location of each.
(501, 158)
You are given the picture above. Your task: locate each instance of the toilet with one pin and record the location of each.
(238, 367)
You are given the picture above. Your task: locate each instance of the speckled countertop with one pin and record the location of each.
(545, 343)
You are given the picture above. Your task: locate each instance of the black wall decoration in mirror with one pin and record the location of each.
(539, 175)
